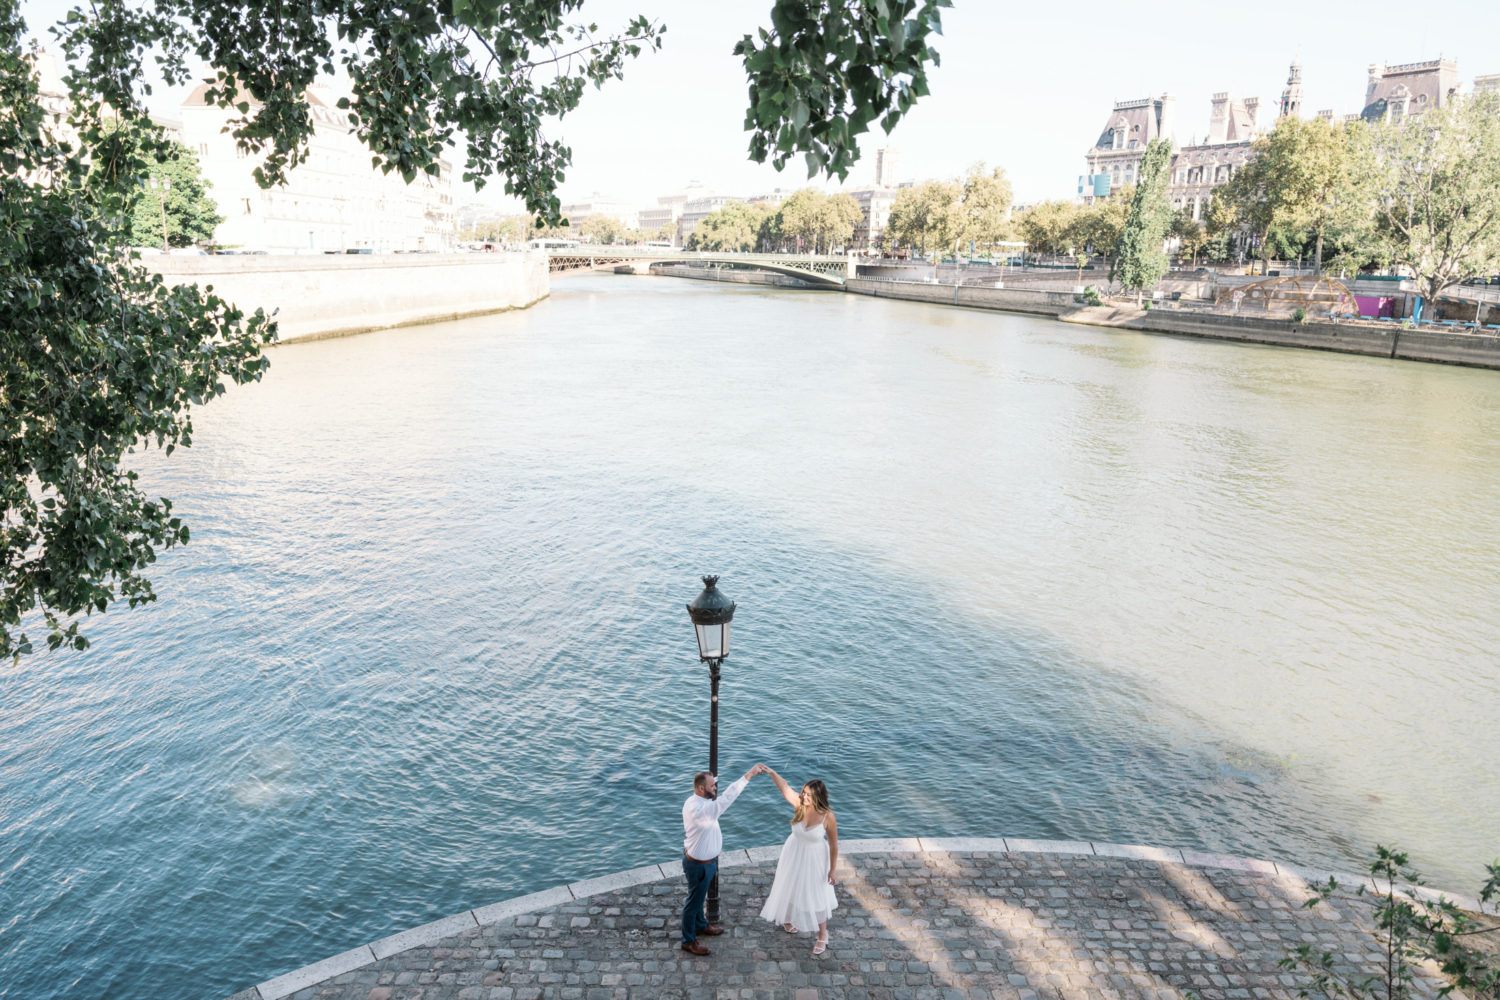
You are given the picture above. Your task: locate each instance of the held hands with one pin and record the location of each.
(757, 769)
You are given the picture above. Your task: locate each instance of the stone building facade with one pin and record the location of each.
(333, 201)
(1407, 89)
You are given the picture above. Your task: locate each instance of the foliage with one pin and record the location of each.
(984, 206)
(819, 220)
(192, 216)
(1316, 183)
(1140, 261)
(827, 69)
(1222, 226)
(736, 226)
(97, 357)
(1099, 226)
(421, 76)
(598, 228)
(1190, 234)
(1048, 227)
(1413, 929)
(1432, 186)
(928, 211)
(1296, 187)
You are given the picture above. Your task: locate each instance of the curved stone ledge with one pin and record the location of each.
(507, 910)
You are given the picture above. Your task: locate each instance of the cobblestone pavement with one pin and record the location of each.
(910, 926)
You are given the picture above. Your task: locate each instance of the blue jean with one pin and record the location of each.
(699, 875)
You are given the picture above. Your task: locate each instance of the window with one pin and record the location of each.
(247, 205)
(202, 149)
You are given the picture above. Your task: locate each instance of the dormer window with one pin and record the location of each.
(1132, 143)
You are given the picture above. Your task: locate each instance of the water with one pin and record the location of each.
(996, 576)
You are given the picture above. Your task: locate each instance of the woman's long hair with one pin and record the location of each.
(819, 799)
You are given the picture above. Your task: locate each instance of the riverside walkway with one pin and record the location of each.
(928, 919)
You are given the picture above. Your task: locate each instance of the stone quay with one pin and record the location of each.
(918, 919)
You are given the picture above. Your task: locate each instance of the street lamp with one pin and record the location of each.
(711, 613)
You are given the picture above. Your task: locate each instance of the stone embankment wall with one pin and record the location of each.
(1045, 303)
(341, 294)
(1388, 340)
(734, 275)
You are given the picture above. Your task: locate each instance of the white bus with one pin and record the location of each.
(549, 243)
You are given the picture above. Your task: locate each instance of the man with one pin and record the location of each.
(700, 849)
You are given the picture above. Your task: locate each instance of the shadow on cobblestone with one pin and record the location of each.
(910, 926)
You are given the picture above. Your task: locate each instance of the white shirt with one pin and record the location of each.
(700, 819)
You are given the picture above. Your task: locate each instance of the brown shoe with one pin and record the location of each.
(712, 930)
(694, 947)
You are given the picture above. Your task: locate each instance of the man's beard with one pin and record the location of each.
(713, 793)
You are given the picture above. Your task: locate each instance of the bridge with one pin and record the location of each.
(816, 270)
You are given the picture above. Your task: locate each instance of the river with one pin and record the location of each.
(996, 575)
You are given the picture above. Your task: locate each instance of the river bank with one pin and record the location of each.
(1390, 340)
(336, 295)
(1206, 916)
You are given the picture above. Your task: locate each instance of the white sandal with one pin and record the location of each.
(789, 928)
(822, 944)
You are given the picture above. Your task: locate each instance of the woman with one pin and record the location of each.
(802, 895)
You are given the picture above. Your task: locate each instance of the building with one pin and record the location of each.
(598, 204)
(1291, 97)
(695, 210)
(1115, 159)
(668, 211)
(1395, 92)
(875, 202)
(1487, 84)
(333, 201)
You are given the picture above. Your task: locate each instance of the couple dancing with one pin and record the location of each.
(801, 896)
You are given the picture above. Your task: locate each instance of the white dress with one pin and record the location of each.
(800, 894)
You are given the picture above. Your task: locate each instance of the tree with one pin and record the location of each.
(428, 77)
(1222, 226)
(1295, 184)
(928, 212)
(598, 228)
(818, 219)
(735, 227)
(192, 216)
(86, 331)
(1048, 227)
(97, 356)
(1141, 260)
(1188, 232)
(825, 71)
(1098, 226)
(1432, 184)
(984, 206)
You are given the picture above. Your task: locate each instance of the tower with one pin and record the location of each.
(885, 167)
(1291, 97)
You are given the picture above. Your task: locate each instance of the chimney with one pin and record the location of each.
(1166, 118)
(1252, 105)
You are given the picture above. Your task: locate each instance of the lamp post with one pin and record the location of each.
(711, 613)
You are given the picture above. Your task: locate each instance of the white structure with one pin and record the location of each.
(696, 210)
(875, 202)
(334, 201)
(668, 210)
(599, 204)
(1487, 83)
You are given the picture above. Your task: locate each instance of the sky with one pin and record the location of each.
(1025, 86)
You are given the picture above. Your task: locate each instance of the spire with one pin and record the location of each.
(1291, 97)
